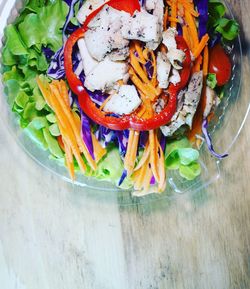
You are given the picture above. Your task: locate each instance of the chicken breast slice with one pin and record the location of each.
(163, 70)
(89, 63)
(176, 57)
(125, 101)
(142, 26)
(175, 77)
(87, 8)
(104, 34)
(158, 11)
(186, 107)
(105, 75)
(169, 38)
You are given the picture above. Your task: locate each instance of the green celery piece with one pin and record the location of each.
(216, 9)
(53, 145)
(22, 99)
(39, 122)
(211, 80)
(54, 130)
(44, 28)
(51, 118)
(228, 28)
(191, 171)
(12, 89)
(188, 155)
(176, 144)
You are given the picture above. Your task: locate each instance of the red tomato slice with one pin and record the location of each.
(220, 64)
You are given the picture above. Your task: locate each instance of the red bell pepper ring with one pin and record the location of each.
(128, 121)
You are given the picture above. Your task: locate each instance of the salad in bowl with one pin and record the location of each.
(121, 90)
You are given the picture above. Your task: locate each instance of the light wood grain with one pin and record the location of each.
(54, 235)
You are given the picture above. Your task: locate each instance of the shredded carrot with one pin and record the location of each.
(197, 64)
(198, 50)
(145, 53)
(173, 13)
(59, 102)
(138, 49)
(99, 151)
(186, 35)
(130, 158)
(180, 10)
(176, 20)
(162, 170)
(69, 161)
(205, 61)
(106, 101)
(143, 158)
(192, 29)
(147, 179)
(189, 7)
(153, 154)
(141, 176)
(140, 85)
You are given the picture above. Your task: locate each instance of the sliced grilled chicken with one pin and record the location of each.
(186, 107)
(163, 70)
(125, 101)
(105, 75)
(175, 77)
(142, 26)
(87, 8)
(104, 34)
(169, 38)
(89, 63)
(176, 57)
(158, 11)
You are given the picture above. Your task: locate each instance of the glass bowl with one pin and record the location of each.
(225, 128)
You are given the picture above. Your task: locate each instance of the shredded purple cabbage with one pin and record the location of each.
(202, 7)
(48, 53)
(142, 2)
(209, 141)
(149, 68)
(179, 29)
(86, 131)
(123, 177)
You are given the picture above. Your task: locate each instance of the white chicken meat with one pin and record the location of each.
(105, 75)
(125, 101)
(87, 8)
(169, 38)
(176, 57)
(163, 70)
(187, 105)
(89, 63)
(142, 26)
(104, 34)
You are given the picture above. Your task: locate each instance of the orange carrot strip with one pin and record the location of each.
(73, 125)
(144, 158)
(69, 161)
(138, 49)
(106, 101)
(141, 176)
(205, 61)
(99, 151)
(130, 158)
(201, 45)
(153, 154)
(189, 7)
(141, 86)
(172, 19)
(162, 170)
(186, 35)
(192, 30)
(173, 13)
(197, 64)
(62, 87)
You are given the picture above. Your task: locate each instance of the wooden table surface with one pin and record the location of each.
(54, 235)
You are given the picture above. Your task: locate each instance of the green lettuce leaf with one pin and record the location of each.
(44, 27)
(211, 80)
